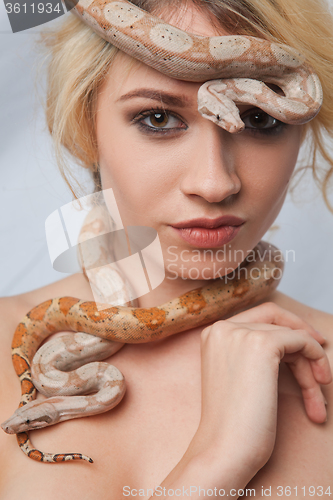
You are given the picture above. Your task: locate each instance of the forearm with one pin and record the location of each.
(205, 474)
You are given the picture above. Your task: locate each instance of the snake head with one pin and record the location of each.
(33, 415)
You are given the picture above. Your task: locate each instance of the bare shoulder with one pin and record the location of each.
(13, 309)
(73, 286)
(321, 321)
(318, 319)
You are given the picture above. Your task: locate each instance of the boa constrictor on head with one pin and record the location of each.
(245, 64)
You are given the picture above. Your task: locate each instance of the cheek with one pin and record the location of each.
(267, 170)
(140, 170)
(117, 156)
(141, 177)
(133, 173)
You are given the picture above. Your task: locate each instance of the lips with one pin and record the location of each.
(225, 220)
(209, 233)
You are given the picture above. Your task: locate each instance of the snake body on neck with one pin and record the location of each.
(254, 282)
(245, 65)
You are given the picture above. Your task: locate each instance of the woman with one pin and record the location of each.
(222, 427)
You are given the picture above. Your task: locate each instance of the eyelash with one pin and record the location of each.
(138, 120)
(277, 127)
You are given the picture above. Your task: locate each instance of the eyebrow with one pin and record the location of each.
(167, 98)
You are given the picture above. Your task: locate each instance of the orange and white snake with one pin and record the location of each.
(254, 282)
(183, 56)
(245, 64)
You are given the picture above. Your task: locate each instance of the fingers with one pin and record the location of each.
(301, 343)
(292, 343)
(314, 401)
(307, 360)
(273, 314)
(269, 344)
(322, 370)
(310, 366)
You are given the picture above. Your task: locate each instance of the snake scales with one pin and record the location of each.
(188, 57)
(254, 281)
(246, 64)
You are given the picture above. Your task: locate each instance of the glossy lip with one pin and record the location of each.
(209, 233)
(225, 220)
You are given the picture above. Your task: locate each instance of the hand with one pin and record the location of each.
(240, 366)
(272, 314)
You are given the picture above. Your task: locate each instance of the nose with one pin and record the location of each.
(211, 173)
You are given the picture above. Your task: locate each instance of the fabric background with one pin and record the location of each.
(31, 189)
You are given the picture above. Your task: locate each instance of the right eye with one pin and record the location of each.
(159, 120)
(260, 121)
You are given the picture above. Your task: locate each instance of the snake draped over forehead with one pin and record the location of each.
(235, 69)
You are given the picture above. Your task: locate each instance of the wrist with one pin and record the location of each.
(203, 469)
(219, 466)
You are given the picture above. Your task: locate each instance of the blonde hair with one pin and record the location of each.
(80, 60)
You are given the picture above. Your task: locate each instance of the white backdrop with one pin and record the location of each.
(32, 188)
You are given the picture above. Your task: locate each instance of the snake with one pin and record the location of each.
(107, 331)
(219, 61)
(69, 370)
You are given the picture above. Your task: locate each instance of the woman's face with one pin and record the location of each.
(168, 166)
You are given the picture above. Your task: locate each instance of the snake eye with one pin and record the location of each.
(28, 421)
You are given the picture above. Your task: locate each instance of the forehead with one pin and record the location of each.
(193, 20)
(126, 72)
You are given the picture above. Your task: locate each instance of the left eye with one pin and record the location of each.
(258, 119)
(161, 119)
